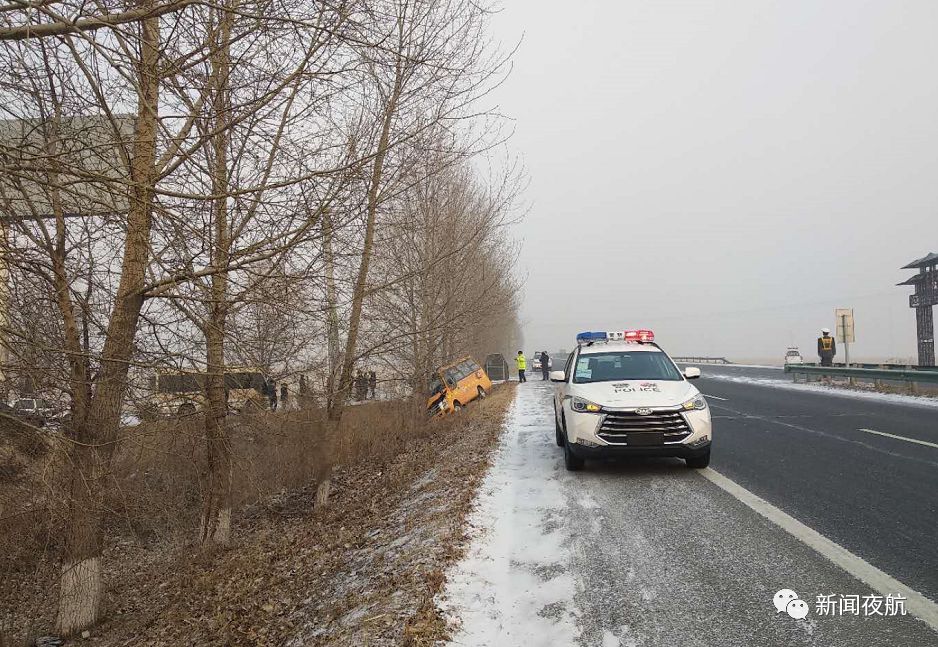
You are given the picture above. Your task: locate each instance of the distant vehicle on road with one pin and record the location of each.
(35, 411)
(183, 392)
(620, 394)
(455, 385)
(536, 362)
(793, 356)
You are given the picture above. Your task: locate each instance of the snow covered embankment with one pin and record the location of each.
(513, 587)
(842, 391)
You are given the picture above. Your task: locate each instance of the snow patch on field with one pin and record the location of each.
(891, 398)
(513, 587)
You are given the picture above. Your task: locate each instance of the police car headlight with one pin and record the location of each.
(693, 404)
(584, 406)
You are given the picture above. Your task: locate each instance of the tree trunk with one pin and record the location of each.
(4, 312)
(332, 310)
(80, 583)
(75, 355)
(358, 296)
(216, 510)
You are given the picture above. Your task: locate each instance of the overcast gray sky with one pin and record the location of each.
(725, 172)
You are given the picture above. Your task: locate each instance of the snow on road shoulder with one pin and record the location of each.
(513, 586)
(891, 398)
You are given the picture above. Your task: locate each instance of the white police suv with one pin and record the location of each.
(620, 395)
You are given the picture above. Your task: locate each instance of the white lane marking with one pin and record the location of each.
(775, 421)
(908, 440)
(916, 603)
(715, 397)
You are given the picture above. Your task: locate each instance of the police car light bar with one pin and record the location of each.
(617, 335)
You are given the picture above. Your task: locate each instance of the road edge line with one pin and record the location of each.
(916, 603)
(908, 440)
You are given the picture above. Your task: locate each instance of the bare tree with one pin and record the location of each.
(188, 183)
(446, 257)
(432, 65)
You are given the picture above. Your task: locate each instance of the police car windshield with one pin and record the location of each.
(623, 365)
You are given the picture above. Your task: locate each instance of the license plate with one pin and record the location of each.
(645, 439)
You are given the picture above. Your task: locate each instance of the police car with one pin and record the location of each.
(621, 395)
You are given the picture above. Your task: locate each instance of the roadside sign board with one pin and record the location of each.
(845, 330)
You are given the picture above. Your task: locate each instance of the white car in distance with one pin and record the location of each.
(536, 362)
(620, 394)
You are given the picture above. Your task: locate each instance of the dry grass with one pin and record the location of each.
(158, 586)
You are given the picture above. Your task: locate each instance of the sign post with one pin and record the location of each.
(846, 334)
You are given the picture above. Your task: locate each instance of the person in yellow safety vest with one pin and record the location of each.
(522, 364)
(826, 347)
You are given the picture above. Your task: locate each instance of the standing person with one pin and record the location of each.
(360, 386)
(272, 394)
(372, 383)
(283, 396)
(545, 365)
(826, 347)
(522, 364)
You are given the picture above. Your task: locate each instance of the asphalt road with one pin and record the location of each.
(648, 552)
(738, 371)
(805, 453)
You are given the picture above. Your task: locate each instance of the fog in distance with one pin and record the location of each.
(726, 173)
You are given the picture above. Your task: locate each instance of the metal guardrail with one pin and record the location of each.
(886, 367)
(911, 377)
(701, 360)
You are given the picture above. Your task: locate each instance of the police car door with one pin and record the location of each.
(560, 391)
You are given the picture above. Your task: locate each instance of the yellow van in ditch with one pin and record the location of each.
(455, 385)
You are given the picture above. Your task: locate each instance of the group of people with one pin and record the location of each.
(521, 363)
(365, 385)
(283, 401)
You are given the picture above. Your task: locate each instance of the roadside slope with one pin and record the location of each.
(363, 570)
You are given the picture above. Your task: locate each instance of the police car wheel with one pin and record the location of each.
(699, 462)
(558, 431)
(571, 462)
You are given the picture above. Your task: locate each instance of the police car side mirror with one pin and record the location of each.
(691, 372)
(558, 376)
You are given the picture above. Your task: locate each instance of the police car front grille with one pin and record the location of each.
(616, 425)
